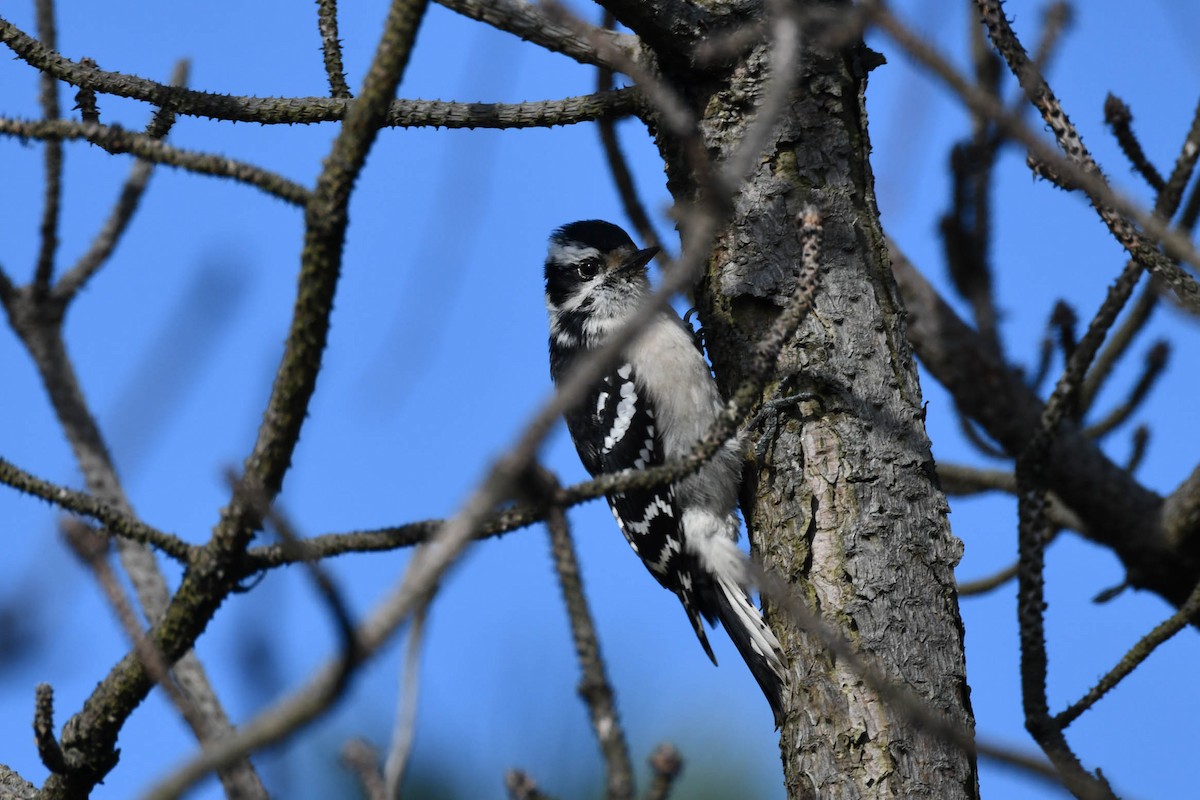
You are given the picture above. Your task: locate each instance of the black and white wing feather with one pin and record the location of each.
(615, 430)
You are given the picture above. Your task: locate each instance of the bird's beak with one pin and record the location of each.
(639, 259)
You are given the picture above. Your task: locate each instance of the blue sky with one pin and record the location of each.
(437, 357)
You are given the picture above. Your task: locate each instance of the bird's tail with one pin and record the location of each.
(754, 640)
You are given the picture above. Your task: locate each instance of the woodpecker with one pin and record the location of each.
(655, 405)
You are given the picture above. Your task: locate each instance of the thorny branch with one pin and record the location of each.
(1109, 204)
(204, 587)
(115, 521)
(594, 686)
(478, 517)
(122, 213)
(309, 110)
(404, 730)
(150, 149)
(618, 168)
(48, 96)
(331, 48)
(1136, 655)
(531, 23)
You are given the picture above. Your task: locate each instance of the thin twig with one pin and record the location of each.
(1109, 204)
(1119, 119)
(114, 520)
(52, 205)
(309, 110)
(1033, 535)
(1078, 159)
(1156, 362)
(1130, 661)
(92, 549)
(532, 24)
(1056, 18)
(1118, 343)
(618, 168)
(362, 759)
(1171, 195)
(989, 583)
(665, 765)
(404, 731)
(1137, 451)
(43, 730)
(331, 48)
(127, 202)
(114, 139)
(202, 589)
(963, 481)
(522, 787)
(339, 609)
(594, 686)
(975, 436)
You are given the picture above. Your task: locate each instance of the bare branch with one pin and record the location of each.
(127, 202)
(1089, 175)
(1137, 451)
(404, 731)
(14, 787)
(1130, 661)
(117, 140)
(1118, 343)
(618, 167)
(1119, 119)
(1185, 166)
(362, 759)
(962, 481)
(666, 765)
(532, 24)
(1118, 511)
(522, 787)
(1156, 362)
(594, 686)
(537, 114)
(1056, 18)
(51, 208)
(308, 110)
(202, 590)
(43, 730)
(1033, 535)
(331, 47)
(989, 583)
(114, 520)
(1108, 203)
(92, 549)
(1181, 512)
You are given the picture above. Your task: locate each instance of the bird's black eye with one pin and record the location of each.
(588, 268)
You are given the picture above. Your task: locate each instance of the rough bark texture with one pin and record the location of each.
(845, 501)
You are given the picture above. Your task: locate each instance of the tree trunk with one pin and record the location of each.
(842, 500)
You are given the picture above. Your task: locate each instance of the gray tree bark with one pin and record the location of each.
(842, 500)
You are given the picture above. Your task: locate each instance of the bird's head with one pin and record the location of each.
(595, 278)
